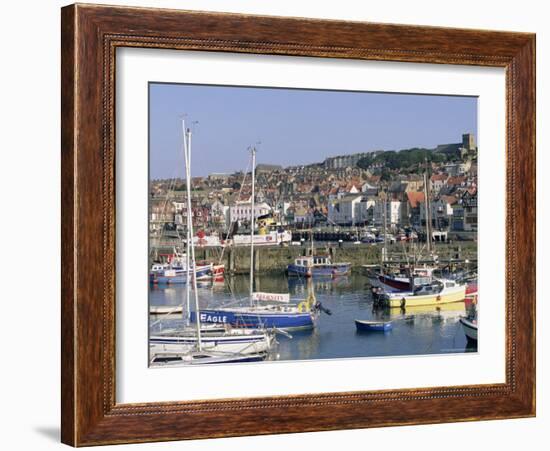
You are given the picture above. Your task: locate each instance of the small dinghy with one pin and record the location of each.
(373, 326)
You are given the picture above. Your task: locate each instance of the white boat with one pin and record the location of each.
(469, 325)
(218, 339)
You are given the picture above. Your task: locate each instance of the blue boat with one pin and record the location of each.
(179, 275)
(317, 266)
(373, 326)
(269, 316)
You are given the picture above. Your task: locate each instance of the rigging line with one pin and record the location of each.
(165, 315)
(171, 186)
(238, 197)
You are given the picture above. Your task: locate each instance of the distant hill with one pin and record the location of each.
(406, 158)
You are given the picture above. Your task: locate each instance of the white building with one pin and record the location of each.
(219, 213)
(365, 210)
(456, 169)
(242, 209)
(346, 210)
(392, 209)
(441, 212)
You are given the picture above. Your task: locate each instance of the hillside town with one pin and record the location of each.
(368, 189)
(299, 235)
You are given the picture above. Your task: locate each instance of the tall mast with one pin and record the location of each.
(385, 250)
(252, 221)
(187, 314)
(428, 210)
(191, 233)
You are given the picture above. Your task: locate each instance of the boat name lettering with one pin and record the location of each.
(213, 318)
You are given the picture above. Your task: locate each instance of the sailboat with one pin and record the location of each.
(268, 310)
(205, 344)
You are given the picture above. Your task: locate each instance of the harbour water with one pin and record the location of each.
(416, 331)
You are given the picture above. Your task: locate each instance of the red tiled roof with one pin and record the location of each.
(459, 180)
(415, 198)
(449, 199)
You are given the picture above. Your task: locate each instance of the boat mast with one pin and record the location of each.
(187, 314)
(385, 248)
(252, 219)
(428, 212)
(190, 233)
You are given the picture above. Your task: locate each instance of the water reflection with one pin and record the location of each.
(416, 330)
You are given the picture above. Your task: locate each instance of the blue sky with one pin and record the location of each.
(294, 126)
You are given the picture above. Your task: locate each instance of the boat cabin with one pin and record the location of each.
(158, 267)
(313, 260)
(423, 290)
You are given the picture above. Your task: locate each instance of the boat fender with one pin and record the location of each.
(403, 302)
(438, 298)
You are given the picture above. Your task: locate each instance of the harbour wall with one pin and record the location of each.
(276, 258)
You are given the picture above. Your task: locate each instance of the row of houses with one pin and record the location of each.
(337, 191)
(396, 207)
(456, 212)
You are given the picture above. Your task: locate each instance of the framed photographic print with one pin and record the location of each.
(279, 225)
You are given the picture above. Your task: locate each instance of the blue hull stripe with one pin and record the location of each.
(255, 319)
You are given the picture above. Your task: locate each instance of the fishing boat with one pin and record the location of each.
(314, 265)
(205, 344)
(373, 326)
(451, 311)
(442, 291)
(178, 275)
(394, 281)
(267, 310)
(317, 266)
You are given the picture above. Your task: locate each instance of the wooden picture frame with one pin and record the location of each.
(90, 36)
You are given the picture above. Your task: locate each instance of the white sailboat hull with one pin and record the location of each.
(228, 343)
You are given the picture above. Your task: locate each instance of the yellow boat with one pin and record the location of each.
(451, 308)
(440, 292)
